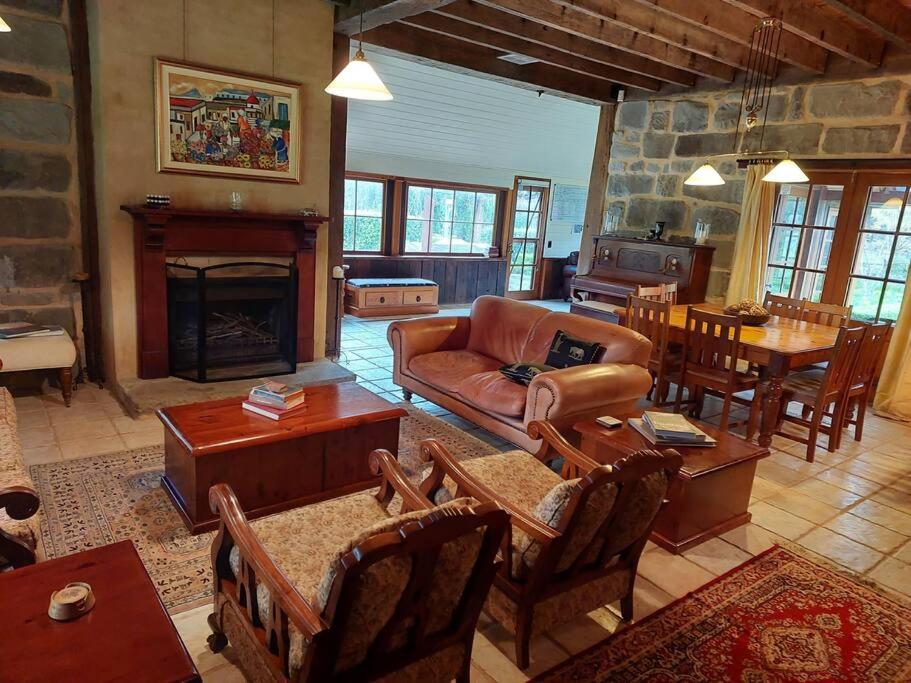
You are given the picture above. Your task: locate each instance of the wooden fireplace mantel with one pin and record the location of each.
(159, 233)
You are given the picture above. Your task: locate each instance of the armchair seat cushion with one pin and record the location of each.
(494, 392)
(448, 369)
(518, 477)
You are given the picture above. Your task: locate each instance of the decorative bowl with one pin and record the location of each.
(747, 319)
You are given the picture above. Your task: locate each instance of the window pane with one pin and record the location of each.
(461, 237)
(901, 259)
(783, 249)
(792, 200)
(350, 190)
(486, 208)
(440, 233)
(825, 201)
(369, 233)
(537, 195)
(464, 207)
(872, 258)
(369, 198)
(864, 295)
(523, 200)
(414, 234)
(442, 205)
(418, 202)
(348, 234)
(483, 238)
(884, 205)
(515, 279)
(534, 221)
(817, 245)
(779, 281)
(892, 301)
(808, 285)
(521, 224)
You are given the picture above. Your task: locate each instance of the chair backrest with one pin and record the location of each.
(407, 591)
(652, 320)
(840, 371)
(826, 314)
(872, 348)
(670, 292)
(662, 292)
(783, 306)
(711, 341)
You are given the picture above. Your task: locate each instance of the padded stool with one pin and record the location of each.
(51, 352)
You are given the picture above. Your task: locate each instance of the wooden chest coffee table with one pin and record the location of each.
(127, 636)
(711, 494)
(275, 465)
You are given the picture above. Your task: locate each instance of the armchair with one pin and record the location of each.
(575, 540)
(19, 524)
(344, 591)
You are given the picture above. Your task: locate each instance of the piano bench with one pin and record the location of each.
(599, 310)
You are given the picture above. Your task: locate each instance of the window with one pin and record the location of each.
(364, 201)
(883, 252)
(801, 242)
(527, 234)
(441, 220)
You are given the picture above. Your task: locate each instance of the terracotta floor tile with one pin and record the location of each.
(76, 413)
(493, 662)
(40, 436)
(869, 471)
(129, 425)
(32, 418)
(840, 549)
(849, 482)
(674, 574)
(83, 448)
(866, 532)
(41, 455)
(25, 404)
(84, 429)
(648, 598)
(717, 556)
(894, 498)
(763, 488)
(752, 538)
(827, 493)
(143, 439)
(779, 521)
(796, 463)
(904, 553)
(544, 651)
(884, 516)
(803, 506)
(585, 631)
(779, 473)
(893, 574)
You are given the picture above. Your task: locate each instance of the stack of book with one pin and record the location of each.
(275, 400)
(670, 429)
(19, 330)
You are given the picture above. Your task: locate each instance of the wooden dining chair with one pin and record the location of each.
(709, 362)
(663, 292)
(872, 349)
(783, 306)
(819, 388)
(652, 320)
(832, 315)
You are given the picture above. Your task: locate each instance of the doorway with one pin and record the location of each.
(525, 237)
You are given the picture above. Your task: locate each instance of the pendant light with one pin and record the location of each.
(4, 27)
(358, 80)
(704, 176)
(786, 171)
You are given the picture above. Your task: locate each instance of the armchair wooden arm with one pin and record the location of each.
(20, 502)
(552, 440)
(395, 481)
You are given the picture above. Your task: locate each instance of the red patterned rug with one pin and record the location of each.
(778, 617)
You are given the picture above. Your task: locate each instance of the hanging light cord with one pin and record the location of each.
(762, 67)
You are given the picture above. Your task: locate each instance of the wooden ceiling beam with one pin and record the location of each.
(379, 12)
(892, 22)
(426, 46)
(485, 37)
(576, 22)
(528, 30)
(821, 25)
(737, 25)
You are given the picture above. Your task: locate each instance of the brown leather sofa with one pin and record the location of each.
(454, 362)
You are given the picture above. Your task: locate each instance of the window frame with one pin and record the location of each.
(384, 216)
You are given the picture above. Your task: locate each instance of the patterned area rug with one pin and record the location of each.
(95, 501)
(778, 617)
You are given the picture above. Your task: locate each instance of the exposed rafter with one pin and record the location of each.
(581, 24)
(890, 21)
(478, 35)
(444, 50)
(379, 12)
(528, 30)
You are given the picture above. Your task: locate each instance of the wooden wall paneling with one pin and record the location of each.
(552, 278)
(502, 270)
(451, 281)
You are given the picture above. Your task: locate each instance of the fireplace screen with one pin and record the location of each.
(232, 320)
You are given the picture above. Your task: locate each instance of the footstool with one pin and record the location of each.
(52, 352)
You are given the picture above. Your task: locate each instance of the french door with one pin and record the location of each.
(524, 244)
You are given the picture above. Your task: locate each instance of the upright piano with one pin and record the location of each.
(621, 264)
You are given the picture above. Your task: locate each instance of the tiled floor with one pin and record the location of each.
(852, 507)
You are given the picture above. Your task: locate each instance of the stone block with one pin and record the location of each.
(632, 115)
(667, 185)
(704, 144)
(652, 167)
(657, 145)
(719, 281)
(796, 104)
(624, 151)
(33, 171)
(28, 297)
(796, 138)
(33, 217)
(637, 166)
(55, 315)
(729, 193)
(23, 84)
(28, 266)
(906, 143)
(724, 252)
(625, 185)
(690, 117)
(682, 166)
(36, 43)
(861, 139)
(35, 121)
(854, 100)
(645, 212)
(659, 121)
(51, 8)
(616, 166)
(726, 115)
(723, 221)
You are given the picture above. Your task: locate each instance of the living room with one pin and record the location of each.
(421, 340)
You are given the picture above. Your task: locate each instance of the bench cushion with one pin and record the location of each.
(391, 282)
(37, 353)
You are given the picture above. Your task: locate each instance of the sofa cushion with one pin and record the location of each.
(621, 345)
(567, 351)
(524, 373)
(447, 369)
(494, 392)
(500, 327)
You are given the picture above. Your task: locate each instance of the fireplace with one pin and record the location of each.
(232, 320)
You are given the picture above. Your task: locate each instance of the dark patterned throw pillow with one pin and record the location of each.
(566, 351)
(524, 373)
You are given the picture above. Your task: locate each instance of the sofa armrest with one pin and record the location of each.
(411, 338)
(554, 394)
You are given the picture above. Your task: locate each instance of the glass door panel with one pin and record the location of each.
(525, 240)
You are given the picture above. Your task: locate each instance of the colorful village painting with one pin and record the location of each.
(215, 123)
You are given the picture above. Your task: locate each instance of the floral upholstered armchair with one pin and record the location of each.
(20, 531)
(575, 540)
(345, 591)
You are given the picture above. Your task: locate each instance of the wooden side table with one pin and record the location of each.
(128, 636)
(711, 494)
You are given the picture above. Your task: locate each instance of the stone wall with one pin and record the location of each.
(39, 200)
(658, 142)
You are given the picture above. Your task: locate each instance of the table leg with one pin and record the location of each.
(771, 401)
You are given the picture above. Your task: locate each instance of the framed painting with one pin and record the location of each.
(212, 122)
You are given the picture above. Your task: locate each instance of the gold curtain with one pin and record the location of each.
(893, 396)
(751, 250)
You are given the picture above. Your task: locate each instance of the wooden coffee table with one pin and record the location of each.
(711, 494)
(275, 465)
(128, 636)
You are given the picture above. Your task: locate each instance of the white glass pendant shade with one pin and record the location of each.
(704, 176)
(358, 81)
(4, 27)
(786, 172)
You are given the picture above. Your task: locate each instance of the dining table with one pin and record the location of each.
(779, 346)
